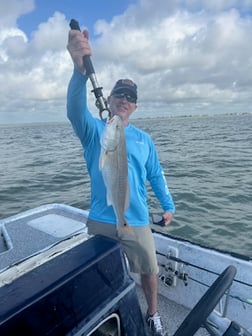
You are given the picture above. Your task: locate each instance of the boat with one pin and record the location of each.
(56, 279)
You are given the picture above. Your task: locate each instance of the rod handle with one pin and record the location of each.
(86, 59)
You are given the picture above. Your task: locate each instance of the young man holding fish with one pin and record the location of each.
(116, 210)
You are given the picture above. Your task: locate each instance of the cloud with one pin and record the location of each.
(187, 56)
(11, 10)
(49, 34)
(183, 51)
(34, 73)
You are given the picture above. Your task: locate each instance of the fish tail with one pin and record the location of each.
(126, 233)
(125, 228)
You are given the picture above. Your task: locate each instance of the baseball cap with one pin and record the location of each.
(125, 85)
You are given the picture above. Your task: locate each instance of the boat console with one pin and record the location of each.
(73, 285)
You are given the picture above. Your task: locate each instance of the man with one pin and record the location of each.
(143, 164)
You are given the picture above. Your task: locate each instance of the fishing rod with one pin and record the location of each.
(101, 102)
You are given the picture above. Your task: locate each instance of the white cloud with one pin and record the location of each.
(183, 51)
(34, 74)
(184, 55)
(12, 44)
(51, 34)
(11, 10)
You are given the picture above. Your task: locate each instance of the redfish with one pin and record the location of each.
(114, 167)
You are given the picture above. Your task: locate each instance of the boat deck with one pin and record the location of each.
(171, 313)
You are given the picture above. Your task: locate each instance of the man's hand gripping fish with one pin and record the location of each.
(114, 168)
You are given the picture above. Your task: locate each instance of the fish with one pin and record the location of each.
(113, 164)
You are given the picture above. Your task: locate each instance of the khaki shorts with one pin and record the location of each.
(140, 250)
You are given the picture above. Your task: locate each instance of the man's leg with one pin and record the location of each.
(150, 288)
(153, 319)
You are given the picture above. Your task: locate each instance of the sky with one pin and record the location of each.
(187, 56)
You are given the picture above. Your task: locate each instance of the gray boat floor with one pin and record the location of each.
(171, 313)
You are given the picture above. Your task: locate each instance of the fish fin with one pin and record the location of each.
(109, 199)
(102, 159)
(127, 198)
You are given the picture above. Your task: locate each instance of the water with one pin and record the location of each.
(207, 162)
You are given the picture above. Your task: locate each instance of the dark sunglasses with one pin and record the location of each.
(122, 95)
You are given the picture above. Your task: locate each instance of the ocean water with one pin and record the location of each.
(207, 161)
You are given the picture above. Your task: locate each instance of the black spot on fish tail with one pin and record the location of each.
(126, 233)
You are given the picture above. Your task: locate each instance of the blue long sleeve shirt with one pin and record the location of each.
(143, 162)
